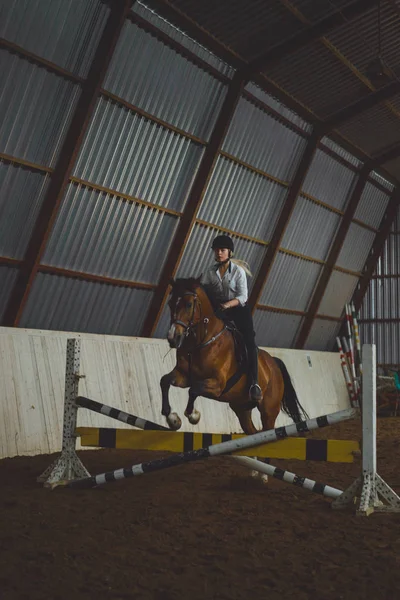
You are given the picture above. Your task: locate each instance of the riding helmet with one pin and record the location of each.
(223, 241)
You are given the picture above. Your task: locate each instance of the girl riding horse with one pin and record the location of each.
(226, 286)
(206, 360)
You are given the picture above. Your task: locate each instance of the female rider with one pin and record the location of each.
(226, 285)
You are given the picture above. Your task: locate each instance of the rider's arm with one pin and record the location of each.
(241, 286)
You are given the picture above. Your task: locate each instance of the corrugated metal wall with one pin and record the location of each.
(132, 177)
(380, 312)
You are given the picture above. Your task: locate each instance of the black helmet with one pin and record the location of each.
(223, 241)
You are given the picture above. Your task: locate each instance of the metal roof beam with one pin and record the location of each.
(286, 212)
(332, 257)
(377, 248)
(354, 109)
(197, 192)
(69, 151)
(310, 34)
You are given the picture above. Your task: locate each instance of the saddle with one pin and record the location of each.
(240, 346)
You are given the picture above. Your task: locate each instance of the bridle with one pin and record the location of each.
(191, 325)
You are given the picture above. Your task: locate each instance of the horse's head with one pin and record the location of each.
(188, 303)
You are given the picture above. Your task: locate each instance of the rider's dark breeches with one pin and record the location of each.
(243, 319)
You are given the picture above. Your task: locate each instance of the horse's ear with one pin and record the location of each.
(198, 279)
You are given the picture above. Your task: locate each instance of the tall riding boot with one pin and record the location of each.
(255, 390)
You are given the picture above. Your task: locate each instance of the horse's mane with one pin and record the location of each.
(189, 284)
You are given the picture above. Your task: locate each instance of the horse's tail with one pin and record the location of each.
(290, 402)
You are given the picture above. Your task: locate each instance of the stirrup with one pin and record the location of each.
(255, 392)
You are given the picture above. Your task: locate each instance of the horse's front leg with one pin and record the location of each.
(177, 379)
(191, 413)
(210, 388)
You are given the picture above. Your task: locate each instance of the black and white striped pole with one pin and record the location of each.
(287, 477)
(263, 437)
(119, 415)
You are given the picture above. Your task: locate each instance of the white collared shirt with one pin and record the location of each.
(232, 285)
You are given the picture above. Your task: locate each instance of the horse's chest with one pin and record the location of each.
(195, 369)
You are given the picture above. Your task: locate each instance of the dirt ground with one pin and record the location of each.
(199, 531)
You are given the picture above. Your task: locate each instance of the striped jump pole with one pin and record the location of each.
(117, 414)
(346, 373)
(262, 437)
(303, 482)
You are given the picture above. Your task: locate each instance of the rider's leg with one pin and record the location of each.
(244, 322)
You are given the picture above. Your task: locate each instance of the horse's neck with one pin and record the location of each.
(206, 331)
(207, 311)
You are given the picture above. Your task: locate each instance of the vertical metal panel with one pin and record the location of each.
(102, 234)
(140, 9)
(288, 114)
(372, 205)
(67, 157)
(242, 201)
(275, 330)
(8, 276)
(328, 143)
(131, 154)
(263, 142)
(389, 263)
(290, 283)
(323, 335)
(72, 305)
(198, 255)
(386, 336)
(193, 203)
(21, 195)
(311, 229)
(356, 247)
(36, 108)
(329, 181)
(290, 202)
(166, 85)
(338, 291)
(387, 340)
(65, 32)
(382, 299)
(368, 307)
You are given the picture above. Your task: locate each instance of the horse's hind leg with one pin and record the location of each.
(270, 405)
(269, 410)
(177, 379)
(245, 420)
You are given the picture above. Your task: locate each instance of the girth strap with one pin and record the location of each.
(233, 380)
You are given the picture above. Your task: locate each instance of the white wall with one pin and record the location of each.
(125, 373)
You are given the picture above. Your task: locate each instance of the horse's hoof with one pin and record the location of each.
(194, 417)
(174, 421)
(263, 478)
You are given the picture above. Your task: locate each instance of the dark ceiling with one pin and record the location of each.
(316, 56)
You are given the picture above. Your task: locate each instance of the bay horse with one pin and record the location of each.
(207, 364)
